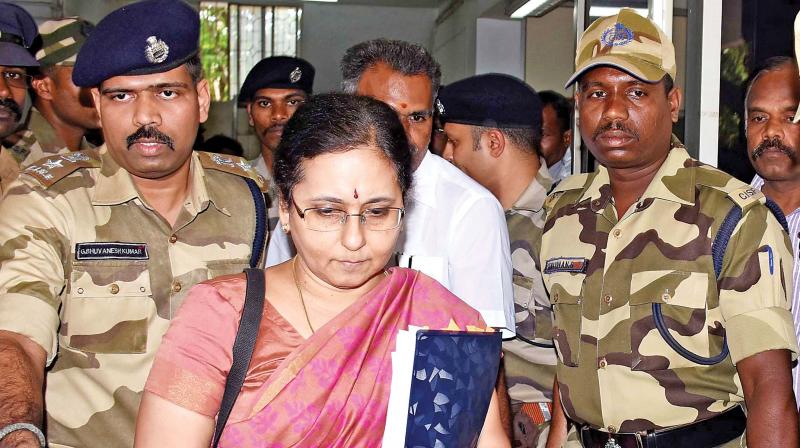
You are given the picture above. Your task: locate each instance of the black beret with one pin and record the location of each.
(278, 72)
(17, 33)
(150, 36)
(490, 100)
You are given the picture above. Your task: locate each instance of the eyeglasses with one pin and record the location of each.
(16, 79)
(326, 219)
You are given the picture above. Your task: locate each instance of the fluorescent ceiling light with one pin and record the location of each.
(526, 8)
(602, 11)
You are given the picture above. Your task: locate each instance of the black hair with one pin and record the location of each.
(526, 139)
(561, 105)
(767, 65)
(195, 68)
(338, 122)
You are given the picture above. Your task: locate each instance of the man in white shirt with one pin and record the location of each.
(773, 140)
(454, 229)
(556, 134)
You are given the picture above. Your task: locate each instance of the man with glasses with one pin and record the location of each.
(455, 230)
(17, 34)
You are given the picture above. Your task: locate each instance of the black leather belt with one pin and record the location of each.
(703, 434)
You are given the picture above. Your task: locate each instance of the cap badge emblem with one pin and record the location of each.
(616, 35)
(439, 106)
(295, 75)
(156, 50)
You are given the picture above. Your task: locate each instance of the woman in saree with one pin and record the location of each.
(321, 369)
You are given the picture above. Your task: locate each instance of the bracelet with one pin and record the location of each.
(8, 429)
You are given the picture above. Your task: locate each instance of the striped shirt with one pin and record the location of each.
(793, 219)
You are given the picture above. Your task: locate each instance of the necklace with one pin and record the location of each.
(300, 293)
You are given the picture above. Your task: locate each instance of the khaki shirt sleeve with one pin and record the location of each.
(756, 287)
(33, 248)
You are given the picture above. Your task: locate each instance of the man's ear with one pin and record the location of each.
(566, 137)
(203, 99)
(675, 98)
(249, 115)
(495, 142)
(96, 100)
(43, 86)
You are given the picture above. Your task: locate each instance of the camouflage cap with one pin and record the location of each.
(61, 40)
(626, 41)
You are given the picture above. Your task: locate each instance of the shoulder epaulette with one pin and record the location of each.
(49, 170)
(574, 182)
(233, 165)
(746, 196)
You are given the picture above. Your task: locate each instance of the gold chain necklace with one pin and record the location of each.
(300, 293)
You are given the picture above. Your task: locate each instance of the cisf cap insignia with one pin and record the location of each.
(156, 50)
(295, 75)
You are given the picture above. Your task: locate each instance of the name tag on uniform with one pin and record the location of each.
(111, 251)
(566, 264)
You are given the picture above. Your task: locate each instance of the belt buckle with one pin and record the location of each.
(611, 443)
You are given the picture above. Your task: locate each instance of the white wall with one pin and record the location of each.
(454, 40)
(500, 47)
(549, 50)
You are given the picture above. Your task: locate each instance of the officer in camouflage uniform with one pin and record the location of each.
(653, 350)
(17, 36)
(100, 247)
(57, 110)
(493, 124)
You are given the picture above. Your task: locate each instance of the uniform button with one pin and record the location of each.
(617, 233)
(80, 290)
(173, 238)
(612, 429)
(602, 363)
(607, 299)
(114, 288)
(665, 297)
(176, 287)
(142, 289)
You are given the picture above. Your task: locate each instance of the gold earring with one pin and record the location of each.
(285, 228)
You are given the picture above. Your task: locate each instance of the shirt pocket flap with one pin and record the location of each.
(669, 287)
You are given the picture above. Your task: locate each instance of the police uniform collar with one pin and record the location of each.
(532, 199)
(673, 181)
(114, 185)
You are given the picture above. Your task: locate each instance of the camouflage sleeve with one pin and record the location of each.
(33, 225)
(755, 287)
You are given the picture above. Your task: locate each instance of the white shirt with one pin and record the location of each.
(279, 248)
(793, 219)
(455, 231)
(562, 168)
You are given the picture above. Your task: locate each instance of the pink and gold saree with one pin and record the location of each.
(331, 390)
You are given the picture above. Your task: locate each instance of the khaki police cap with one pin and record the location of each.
(626, 41)
(61, 40)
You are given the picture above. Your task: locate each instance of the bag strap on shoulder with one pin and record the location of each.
(259, 239)
(243, 346)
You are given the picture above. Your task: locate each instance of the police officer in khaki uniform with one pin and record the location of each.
(17, 35)
(100, 247)
(662, 340)
(493, 124)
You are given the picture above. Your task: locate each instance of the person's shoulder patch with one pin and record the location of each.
(746, 196)
(232, 165)
(49, 170)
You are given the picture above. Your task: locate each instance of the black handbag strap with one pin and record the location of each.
(260, 236)
(243, 346)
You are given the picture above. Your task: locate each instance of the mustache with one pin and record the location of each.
(774, 143)
(275, 127)
(12, 107)
(614, 126)
(150, 134)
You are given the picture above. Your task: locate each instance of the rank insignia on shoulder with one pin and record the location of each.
(50, 170)
(566, 264)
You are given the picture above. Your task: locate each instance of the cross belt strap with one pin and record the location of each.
(243, 346)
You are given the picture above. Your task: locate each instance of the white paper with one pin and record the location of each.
(394, 435)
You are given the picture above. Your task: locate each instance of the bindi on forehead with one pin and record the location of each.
(355, 193)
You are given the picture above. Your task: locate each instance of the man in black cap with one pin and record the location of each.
(17, 34)
(272, 92)
(493, 124)
(102, 245)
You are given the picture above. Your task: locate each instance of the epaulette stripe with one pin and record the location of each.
(232, 165)
(746, 196)
(51, 169)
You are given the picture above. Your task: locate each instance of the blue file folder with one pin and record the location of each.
(451, 387)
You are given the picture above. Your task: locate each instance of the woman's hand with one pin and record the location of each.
(163, 423)
(493, 435)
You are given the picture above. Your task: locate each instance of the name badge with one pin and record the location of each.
(111, 251)
(566, 264)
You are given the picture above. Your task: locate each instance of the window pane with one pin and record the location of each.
(285, 31)
(250, 43)
(268, 28)
(214, 47)
(234, 54)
